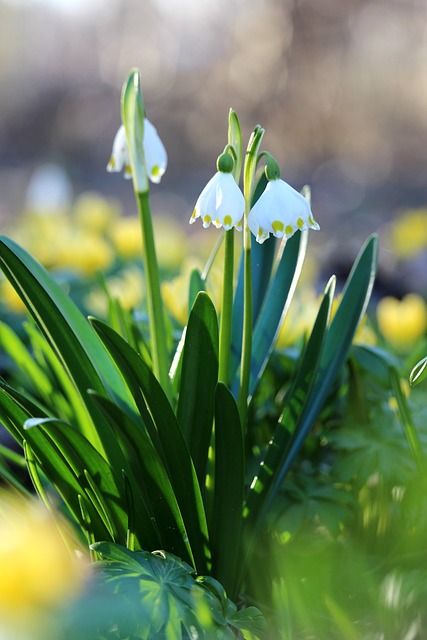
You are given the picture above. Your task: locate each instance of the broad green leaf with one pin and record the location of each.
(199, 375)
(102, 486)
(292, 428)
(157, 519)
(166, 436)
(65, 328)
(29, 371)
(15, 409)
(276, 304)
(60, 321)
(229, 479)
(355, 298)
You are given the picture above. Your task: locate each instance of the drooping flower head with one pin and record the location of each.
(137, 148)
(221, 201)
(154, 152)
(280, 210)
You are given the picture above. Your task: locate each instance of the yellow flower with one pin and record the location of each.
(171, 242)
(126, 236)
(175, 297)
(38, 570)
(175, 292)
(10, 298)
(300, 318)
(127, 287)
(402, 322)
(93, 212)
(85, 252)
(408, 234)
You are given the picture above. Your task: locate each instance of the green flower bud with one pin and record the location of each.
(225, 163)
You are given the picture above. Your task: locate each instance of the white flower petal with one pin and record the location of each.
(220, 203)
(156, 157)
(119, 156)
(154, 153)
(280, 210)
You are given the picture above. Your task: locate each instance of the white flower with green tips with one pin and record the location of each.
(221, 201)
(280, 210)
(154, 153)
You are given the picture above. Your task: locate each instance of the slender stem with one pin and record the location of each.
(227, 307)
(251, 159)
(155, 302)
(245, 365)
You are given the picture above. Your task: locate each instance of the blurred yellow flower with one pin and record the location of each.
(38, 570)
(127, 287)
(175, 297)
(402, 322)
(300, 318)
(10, 298)
(171, 242)
(302, 315)
(85, 252)
(93, 212)
(407, 235)
(126, 236)
(175, 292)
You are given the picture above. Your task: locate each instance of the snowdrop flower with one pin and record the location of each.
(221, 201)
(280, 210)
(154, 152)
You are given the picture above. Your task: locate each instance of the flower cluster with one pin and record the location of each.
(280, 210)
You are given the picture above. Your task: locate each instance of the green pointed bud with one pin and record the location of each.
(272, 170)
(235, 141)
(133, 121)
(225, 163)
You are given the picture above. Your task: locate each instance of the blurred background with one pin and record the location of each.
(339, 85)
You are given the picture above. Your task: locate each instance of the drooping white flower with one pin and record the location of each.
(280, 210)
(154, 153)
(220, 203)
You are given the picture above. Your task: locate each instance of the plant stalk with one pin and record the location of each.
(156, 315)
(227, 308)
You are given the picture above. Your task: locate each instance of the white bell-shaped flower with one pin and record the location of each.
(154, 153)
(220, 203)
(280, 210)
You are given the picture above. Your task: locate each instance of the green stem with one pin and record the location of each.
(227, 307)
(155, 303)
(251, 160)
(245, 366)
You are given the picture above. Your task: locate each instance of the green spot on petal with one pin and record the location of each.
(228, 221)
(278, 226)
(300, 223)
(289, 230)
